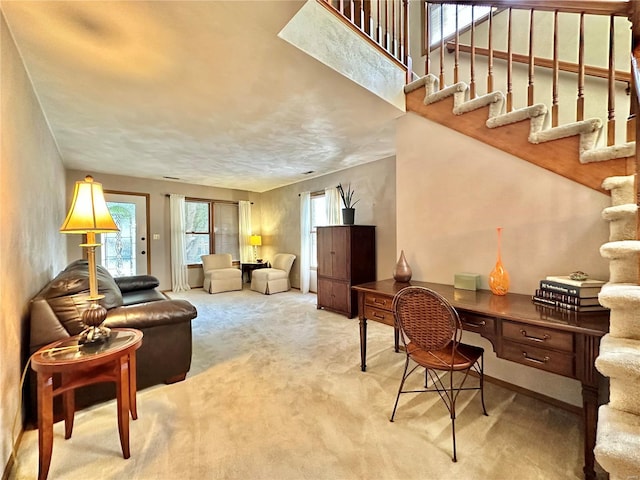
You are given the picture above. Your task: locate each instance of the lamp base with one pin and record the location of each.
(93, 317)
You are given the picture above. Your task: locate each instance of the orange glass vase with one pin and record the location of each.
(499, 277)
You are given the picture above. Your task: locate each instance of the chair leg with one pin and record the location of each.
(453, 416)
(404, 377)
(484, 409)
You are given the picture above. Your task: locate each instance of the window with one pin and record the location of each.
(447, 14)
(211, 227)
(318, 218)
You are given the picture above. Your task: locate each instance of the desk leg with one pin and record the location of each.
(45, 423)
(590, 408)
(133, 388)
(363, 343)
(122, 395)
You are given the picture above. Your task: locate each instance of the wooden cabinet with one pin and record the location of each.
(346, 257)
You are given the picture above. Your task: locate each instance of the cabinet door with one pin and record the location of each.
(325, 293)
(341, 258)
(325, 247)
(341, 297)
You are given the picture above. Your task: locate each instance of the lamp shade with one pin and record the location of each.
(255, 240)
(88, 212)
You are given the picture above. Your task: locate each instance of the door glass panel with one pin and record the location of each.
(119, 248)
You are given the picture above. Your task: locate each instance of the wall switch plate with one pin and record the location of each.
(156, 236)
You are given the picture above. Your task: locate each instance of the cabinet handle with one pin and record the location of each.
(377, 315)
(380, 302)
(535, 360)
(534, 339)
(481, 323)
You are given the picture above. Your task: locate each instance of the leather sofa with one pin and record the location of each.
(133, 302)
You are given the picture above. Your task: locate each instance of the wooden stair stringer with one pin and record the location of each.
(559, 156)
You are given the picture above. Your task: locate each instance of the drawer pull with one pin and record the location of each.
(479, 324)
(535, 360)
(377, 301)
(534, 339)
(377, 315)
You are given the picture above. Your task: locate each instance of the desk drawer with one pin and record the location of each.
(382, 302)
(378, 315)
(538, 336)
(478, 323)
(549, 360)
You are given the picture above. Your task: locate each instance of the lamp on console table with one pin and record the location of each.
(255, 241)
(89, 215)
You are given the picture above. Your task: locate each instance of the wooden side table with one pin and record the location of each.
(250, 267)
(77, 366)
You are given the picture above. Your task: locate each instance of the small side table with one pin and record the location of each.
(250, 267)
(113, 361)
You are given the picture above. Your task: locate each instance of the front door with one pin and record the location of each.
(126, 252)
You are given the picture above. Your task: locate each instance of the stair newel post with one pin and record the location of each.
(509, 66)
(611, 122)
(456, 54)
(554, 100)
(531, 61)
(580, 101)
(442, 83)
(472, 82)
(490, 55)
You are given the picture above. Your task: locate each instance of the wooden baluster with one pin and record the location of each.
(352, 10)
(456, 55)
(580, 102)
(442, 46)
(427, 38)
(509, 66)
(378, 27)
(611, 123)
(387, 40)
(394, 34)
(531, 61)
(633, 109)
(405, 43)
(554, 100)
(472, 83)
(366, 17)
(490, 56)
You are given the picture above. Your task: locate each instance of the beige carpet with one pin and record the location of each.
(276, 392)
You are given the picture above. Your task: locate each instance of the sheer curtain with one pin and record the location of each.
(305, 240)
(333, 206)
(179, 277)
(244, 220)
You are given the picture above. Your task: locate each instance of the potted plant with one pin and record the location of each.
(348, 212)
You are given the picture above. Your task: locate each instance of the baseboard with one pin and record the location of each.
(530, 393)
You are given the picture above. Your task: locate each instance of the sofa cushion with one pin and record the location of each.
(134, 283)
(142, 296)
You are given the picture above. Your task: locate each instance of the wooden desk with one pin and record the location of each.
(565, 343)
(113, 361)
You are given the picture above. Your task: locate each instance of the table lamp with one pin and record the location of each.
(89, 215)
(255, 241)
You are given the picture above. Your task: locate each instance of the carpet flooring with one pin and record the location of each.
(275, 392)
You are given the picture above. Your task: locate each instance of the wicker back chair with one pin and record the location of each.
(431, 330)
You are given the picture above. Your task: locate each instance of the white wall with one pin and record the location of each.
(452, 193)
(32, 208)
(374, 184)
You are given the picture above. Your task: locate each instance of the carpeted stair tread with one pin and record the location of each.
(620, 249)
(621, 188)
(494, 100)
(619, 212)
(624, 301)
(618, 443)
(619, 358)
(622, 221)
(593, 125)
(603, 154)
(537, 111)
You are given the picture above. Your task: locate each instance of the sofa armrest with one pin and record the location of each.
(136, 282)
(145, 315)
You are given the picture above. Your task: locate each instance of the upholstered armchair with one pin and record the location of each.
(219, 273)
(275, 279)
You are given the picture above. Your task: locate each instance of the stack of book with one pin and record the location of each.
(564, 293)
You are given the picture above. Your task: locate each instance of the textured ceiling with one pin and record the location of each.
(201, 91)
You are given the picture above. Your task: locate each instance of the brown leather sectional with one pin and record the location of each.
(133, 302)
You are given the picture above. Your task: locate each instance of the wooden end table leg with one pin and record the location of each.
(69, 403)
(45, 424)
(122, 395)
(590, 409)
(133, 387)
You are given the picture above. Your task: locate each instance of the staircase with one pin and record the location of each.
(569, 150)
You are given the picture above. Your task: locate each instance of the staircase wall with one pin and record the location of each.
(453, 191)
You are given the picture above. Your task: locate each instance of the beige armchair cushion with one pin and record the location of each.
(275, 279)
(219, 273)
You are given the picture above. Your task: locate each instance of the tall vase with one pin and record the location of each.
(499, 277)
(402, 272)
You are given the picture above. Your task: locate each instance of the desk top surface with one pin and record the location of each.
(512, 306)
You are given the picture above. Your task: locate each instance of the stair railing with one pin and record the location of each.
(434, 21)
(385, 23)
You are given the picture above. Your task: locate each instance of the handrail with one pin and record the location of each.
(617, 8)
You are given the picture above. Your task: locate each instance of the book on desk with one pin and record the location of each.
(569, 294)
